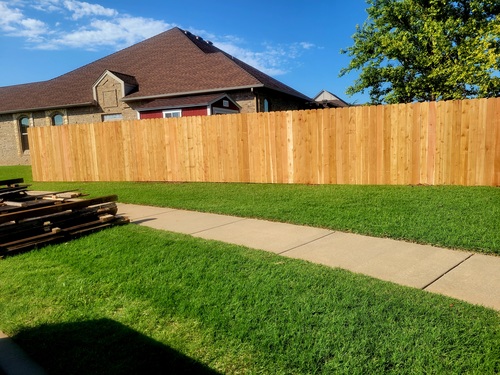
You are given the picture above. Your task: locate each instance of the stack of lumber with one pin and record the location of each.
(29, 219)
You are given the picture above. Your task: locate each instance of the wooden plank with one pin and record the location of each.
(12, 181)
(496, 146)
(342, 152)
(352, 158)
(454, 145)
(415, 145)
(481, 150)
(473, 144)
(56, 208)
(330, 144)
(441, 115)
(431, 144)
(38, 225)
(379, 144)
(405, 119)
(360, 171)
(290, 147)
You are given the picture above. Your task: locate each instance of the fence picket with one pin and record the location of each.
(450, 142)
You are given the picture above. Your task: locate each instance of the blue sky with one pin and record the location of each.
(296, 41)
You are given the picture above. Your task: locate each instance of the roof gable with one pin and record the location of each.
(174, 62)
(326, 97)
(127, 83)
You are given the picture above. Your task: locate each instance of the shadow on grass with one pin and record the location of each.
(103, 347)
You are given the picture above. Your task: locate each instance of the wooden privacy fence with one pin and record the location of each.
(450, 142)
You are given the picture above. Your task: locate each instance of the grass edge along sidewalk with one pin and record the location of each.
(231, 309)
(457, 217)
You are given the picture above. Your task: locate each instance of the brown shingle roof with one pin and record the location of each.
(171, 63)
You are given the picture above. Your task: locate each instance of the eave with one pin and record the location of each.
(222, 89)
(22, 110)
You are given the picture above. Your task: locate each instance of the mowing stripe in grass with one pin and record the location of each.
(236, 310)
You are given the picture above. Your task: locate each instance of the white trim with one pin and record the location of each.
(105, 117)
(172, 111)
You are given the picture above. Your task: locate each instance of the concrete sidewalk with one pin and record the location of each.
(13, 360)
(471, 277)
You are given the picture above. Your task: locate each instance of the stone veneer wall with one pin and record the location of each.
(10, 142)
(245, 99)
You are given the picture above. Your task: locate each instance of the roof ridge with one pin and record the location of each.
(255, 73)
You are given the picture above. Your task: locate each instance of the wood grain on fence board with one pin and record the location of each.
(450, 142)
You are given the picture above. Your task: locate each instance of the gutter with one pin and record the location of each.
(21, 110)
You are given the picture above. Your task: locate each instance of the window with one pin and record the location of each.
(266, 105)
(24, 124)
(172, 113)
(57, 119)
(112, 117)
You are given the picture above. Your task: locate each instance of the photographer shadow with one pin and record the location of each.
(102, 346)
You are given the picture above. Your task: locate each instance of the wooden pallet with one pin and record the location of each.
(29, 220)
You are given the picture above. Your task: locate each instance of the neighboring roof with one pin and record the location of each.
(174, 62)
(184, 102)
(329, 99)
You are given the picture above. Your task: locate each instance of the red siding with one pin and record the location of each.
(195, 111)
(151, 114)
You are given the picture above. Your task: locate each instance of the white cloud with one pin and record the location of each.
(90, 26)
(48, 6)
(270, 61)
(32, 29)
(118, 33)
(9, 15)
(80, 9)
(269, 58)
(14, 23)
(306, 45)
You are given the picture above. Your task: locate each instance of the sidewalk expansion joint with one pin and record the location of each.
(152, 216)
(447, 272)
(305, 243)
(218, 226)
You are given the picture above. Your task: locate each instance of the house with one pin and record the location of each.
(328, 100)
(172, 74)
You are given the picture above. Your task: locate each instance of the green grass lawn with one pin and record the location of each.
(135, 300)
(449, 216)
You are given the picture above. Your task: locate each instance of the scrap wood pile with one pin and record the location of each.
(30, 219)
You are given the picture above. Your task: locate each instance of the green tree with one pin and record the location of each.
(420, 50)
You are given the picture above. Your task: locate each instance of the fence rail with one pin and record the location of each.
(435, 143)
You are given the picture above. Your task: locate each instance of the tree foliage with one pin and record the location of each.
(420, 50)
